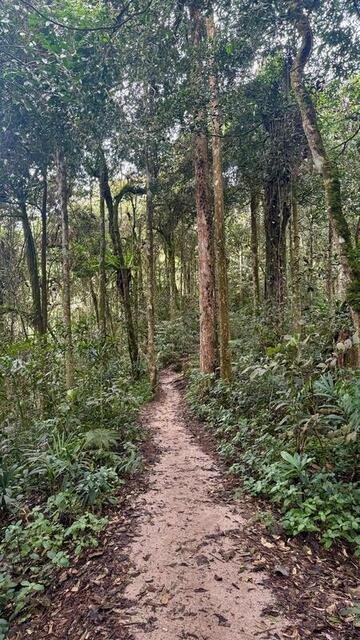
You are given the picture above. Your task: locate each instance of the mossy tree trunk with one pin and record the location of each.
(254, 214)
(66, 271)
(323, 164)
(102, 269)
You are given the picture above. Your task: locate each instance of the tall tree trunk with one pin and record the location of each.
(310, 260)
(222, 288)
(66, 283)
(277, 213)
(172, 278)
(3, 262)
(322, 162)
(330, 269)
(296, 276)
(241, 277)
(165, 285)
(95, 301)
(44, 284)
(32, 264)
(204, 216)
(122, 272)
(102, 270)
(182, 273)
(140, 265)
(151, 355)
(254, 208)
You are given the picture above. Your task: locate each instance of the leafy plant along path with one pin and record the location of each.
(188, 556)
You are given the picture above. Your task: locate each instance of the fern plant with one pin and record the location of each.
(101, 439)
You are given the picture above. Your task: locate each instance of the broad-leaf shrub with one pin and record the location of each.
(291, 436)
(63, 458)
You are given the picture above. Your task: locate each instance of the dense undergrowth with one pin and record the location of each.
(63, 457)
(288, 426)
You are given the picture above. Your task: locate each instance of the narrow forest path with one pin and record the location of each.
(189, 579)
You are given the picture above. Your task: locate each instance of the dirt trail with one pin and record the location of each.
(189, 578)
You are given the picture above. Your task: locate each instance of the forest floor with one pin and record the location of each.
(183, 559)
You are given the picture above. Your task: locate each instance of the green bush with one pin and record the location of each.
(176, 340)
(67, 454)
(290, 435)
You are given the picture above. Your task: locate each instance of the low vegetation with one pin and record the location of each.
(63, 459)
(288, 428)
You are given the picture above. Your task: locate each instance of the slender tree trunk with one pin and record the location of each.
(296, 276)
(32, 263)
(3, 261)
(164, 284)
(241, 278)
(254, 208)
(172, 274)
(151, 355)
(66, 284)
(122, 273)
(323, 165)
(140, 267)
(204, 217)
(310, 285)
(290, 262)
(330, 269)
(66, 273)
(102, 270)
(44, 284)
(222, 288)
(182, 273)
(95, 301)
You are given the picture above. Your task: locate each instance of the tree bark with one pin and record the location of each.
(296, 276)
(322, 162)
(222, 287)
(32, 264)
(95, 301)
(122, 273)
(3, 262)
(102, 270)
(172, 277)
(208, 359)
(66, 284)
(330, 269)
(151, 355)
(254, 208)
(44, 284)
(277, 214)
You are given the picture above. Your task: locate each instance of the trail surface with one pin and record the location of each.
(189, 579)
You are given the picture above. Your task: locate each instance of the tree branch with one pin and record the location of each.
(119, 22)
